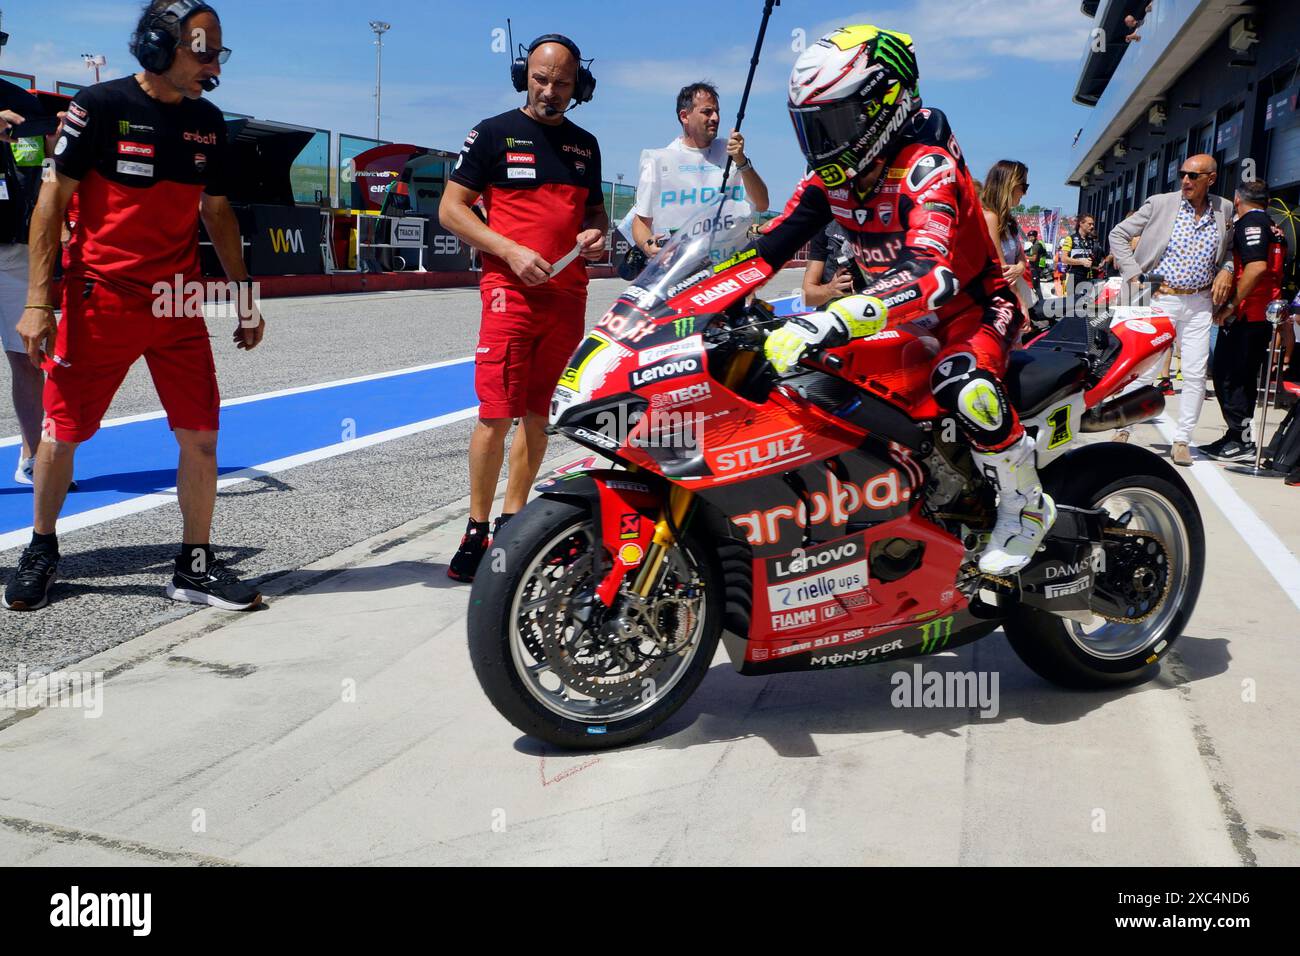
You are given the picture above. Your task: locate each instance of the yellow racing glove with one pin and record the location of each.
(852, 317)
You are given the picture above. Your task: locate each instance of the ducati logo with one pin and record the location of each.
(886, 213)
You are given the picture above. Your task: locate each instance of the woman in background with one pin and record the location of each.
(1004, 187)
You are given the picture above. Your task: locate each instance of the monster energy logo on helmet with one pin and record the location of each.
(896, 50)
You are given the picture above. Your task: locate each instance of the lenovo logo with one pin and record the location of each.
(135, 149)
(670, 369)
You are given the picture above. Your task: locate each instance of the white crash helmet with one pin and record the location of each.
(851, 94)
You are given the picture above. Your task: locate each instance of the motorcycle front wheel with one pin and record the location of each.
(561, 666)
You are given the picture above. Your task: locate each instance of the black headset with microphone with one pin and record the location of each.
(155, 48)
(585, 86)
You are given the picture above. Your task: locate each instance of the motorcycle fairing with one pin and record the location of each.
(1142, 342)
(820, 500)
(854, 589)
(930, 633)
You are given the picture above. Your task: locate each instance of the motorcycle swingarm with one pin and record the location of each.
(1063, 573)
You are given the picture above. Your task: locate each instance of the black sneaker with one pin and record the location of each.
(1231, 450)
(1215, 448)
(219, 587)
(1293, 478)
(29, 585)
(473, 545)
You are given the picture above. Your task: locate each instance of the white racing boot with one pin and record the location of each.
(1025, 512)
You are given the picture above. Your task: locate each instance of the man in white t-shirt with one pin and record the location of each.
(686, 175)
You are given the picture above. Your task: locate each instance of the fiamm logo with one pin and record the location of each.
(287, 240)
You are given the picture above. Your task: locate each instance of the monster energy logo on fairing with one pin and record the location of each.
(935, 634)
(683, 327)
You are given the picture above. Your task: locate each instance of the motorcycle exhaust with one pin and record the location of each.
(1137, 406)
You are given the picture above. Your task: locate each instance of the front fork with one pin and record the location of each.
(680, 500)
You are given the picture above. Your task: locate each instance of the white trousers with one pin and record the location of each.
(13, 294)
(1193, 318)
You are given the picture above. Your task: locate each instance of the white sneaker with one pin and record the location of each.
(25, 473)
(25, 470)
(1025, 512)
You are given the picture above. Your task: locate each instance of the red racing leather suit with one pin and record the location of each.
(920, 237)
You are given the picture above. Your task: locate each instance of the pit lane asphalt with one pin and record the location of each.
(244, 720)
(112, 575)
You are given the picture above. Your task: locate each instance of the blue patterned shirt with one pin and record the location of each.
(1192, 256)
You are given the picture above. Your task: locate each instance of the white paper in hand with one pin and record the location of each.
(558, 267)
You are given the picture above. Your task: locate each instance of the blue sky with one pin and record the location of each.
(1002, 71)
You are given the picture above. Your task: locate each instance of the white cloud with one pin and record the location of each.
(123, 15)
(960, 39)
(51, 64)
(725, 68)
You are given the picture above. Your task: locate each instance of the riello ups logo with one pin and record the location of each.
(287, 240)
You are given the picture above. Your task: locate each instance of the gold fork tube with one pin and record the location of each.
(679, 500)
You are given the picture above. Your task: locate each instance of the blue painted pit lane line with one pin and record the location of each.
(130, 465)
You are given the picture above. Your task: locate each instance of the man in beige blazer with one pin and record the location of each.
(1186, 238)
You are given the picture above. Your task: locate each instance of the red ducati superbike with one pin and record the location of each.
(828, 517)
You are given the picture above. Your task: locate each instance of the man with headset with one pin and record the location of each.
(146, 155)
(539, 176)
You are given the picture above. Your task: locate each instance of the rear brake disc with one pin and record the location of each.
(1135, 580)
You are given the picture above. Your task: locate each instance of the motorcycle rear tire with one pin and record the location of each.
(1044, 641)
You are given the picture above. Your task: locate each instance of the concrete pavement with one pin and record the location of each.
(343, 725)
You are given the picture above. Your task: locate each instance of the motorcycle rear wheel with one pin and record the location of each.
(574, 685)
(1110, 653)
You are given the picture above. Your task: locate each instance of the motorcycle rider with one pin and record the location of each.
(891, 174)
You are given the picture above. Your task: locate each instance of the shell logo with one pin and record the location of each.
(631, 554)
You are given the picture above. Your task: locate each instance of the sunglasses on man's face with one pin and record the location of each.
(221, 54)
(1190, 174)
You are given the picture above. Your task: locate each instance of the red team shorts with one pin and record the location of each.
(525, 342)
(102, 334)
